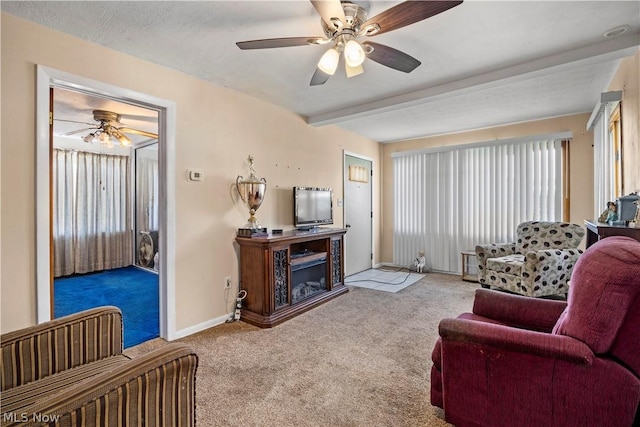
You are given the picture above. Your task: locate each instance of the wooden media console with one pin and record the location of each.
(287, 274)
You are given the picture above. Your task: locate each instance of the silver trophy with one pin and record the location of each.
(251, 192)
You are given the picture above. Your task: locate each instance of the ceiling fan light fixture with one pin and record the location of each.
(104, 138)
(353, 53)
(107, 131)
(329, 62)
(123, 139)
(353, 71)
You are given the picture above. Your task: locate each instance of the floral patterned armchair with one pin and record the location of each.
(538, 264)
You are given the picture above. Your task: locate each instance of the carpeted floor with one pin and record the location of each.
(133, 290)
(362, 359)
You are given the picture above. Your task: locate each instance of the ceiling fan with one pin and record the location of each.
(108, 128)
(343, 22)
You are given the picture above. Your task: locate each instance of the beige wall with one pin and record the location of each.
(581, 166)
(216, 130)
(627, 79)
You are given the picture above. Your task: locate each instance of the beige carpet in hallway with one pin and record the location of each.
(362, 359)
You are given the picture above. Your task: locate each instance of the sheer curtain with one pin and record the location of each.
(63, 212)
(450, 200)
(92, 212)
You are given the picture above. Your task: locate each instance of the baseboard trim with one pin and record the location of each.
(201, 326)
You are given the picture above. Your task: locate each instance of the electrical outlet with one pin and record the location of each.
(227, 282)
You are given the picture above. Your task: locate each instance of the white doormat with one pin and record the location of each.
(386, 280)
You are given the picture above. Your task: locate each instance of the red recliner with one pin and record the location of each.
(520, 361)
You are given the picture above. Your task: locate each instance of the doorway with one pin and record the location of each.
(47, 81)
(358, 213)
(105, 210)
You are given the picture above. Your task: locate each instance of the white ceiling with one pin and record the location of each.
(484, 63)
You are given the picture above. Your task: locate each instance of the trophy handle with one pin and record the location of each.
(238, 179)
(263, 180)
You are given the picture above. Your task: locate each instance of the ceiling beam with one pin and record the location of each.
(601, 52)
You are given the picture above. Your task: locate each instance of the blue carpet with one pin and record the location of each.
(131, 289)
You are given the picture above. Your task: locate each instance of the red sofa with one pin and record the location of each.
(520, 361)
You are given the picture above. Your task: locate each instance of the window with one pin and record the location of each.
(91, 212)
(449, 200)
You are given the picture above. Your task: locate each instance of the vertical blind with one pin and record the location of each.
(448, 201)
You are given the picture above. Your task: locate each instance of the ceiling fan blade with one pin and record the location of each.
(390, 57)
(319, 78)
(138, 132)
(140, 118)
(73, 121)
(407, 13)
(79, 130)
(329, 9)
(281, 42)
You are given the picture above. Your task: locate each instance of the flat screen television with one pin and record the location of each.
(312, 207)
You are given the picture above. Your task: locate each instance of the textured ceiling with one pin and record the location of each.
(484, 63)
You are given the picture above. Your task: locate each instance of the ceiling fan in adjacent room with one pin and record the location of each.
(109, 129)
(344, 22)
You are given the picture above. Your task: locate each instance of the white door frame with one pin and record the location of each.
(47, 78)
(346, 153)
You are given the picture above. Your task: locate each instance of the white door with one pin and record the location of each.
(358, 214)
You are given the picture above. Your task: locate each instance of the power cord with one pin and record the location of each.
(236, 310)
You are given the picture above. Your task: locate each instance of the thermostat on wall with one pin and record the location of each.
(195, 175)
